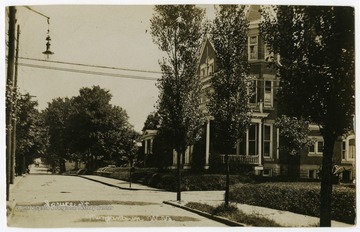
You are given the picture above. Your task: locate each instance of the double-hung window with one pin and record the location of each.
(267, 150)
(268, 93)
(348, 149)
(253, 47)
(317, 148)
(252, 138)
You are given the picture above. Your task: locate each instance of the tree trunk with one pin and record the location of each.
(88, 161)
(62, 165)
(95, 162)
(227, 187)
(178, 164)
(326, 181)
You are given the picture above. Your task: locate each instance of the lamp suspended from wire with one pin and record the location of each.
(48, 52)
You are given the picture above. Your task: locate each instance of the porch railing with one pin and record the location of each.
(243, 159)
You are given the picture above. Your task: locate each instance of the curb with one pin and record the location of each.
(10, 210)
(10, 205)
(116, 186)
(207, 215)
(111, 185)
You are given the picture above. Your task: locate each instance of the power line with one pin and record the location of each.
(37, 12)
(90, 65)
(89, 72)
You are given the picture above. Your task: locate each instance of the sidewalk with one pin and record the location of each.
(118, 183)
(10, 205)
(284, 218)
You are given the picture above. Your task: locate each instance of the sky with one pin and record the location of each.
(104, 35)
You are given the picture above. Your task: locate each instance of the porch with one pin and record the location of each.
(242, 159)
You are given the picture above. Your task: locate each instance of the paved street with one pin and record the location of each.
(41, 202)
(45, 200)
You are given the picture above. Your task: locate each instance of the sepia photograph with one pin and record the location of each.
(159, 114)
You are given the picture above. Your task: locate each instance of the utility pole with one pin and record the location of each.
(9, 107)
(13, 145)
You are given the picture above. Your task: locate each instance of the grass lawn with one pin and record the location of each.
(233, 213)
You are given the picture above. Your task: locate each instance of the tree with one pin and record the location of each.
(294, 134)
(177, 30)
(98, 128)
(119, 136)
(316, 47)
(56, 118)
(229, 100)
(31, 139)
(89, 128)
(152, 122)
(88, 123)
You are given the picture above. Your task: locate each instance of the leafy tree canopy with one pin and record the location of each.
(177, 30)
(230, 83)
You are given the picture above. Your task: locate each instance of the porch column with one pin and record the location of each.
(260, 142)
(207, 149)
(277, 142)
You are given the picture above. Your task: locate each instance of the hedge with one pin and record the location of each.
(296, 197)
(168, 179)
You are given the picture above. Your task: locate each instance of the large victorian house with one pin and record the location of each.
(259, 148)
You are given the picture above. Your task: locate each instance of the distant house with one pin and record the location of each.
(147, 140)
(259, 148)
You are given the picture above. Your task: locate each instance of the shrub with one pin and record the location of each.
(296, 197)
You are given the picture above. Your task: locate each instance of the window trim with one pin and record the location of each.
(271, 93)
(316, 151)
(347, 148)
(256, 140)
(256, 47)
(255, 96)
(270, 141)
(267, 169)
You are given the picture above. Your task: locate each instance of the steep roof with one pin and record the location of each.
(253, 13)
(204, 44)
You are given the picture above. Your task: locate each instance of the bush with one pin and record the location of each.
(167, 179)
(296, 197)
(194, 182)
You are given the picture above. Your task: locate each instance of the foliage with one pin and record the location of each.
(230, 83)
(31, 138)
(317, 70)
(12, 96)
(87, 126)
(162, 149)
(152, 122)
(56, 120)
(177, 30)
(166, 179)
(296, 197)
(294, 134)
